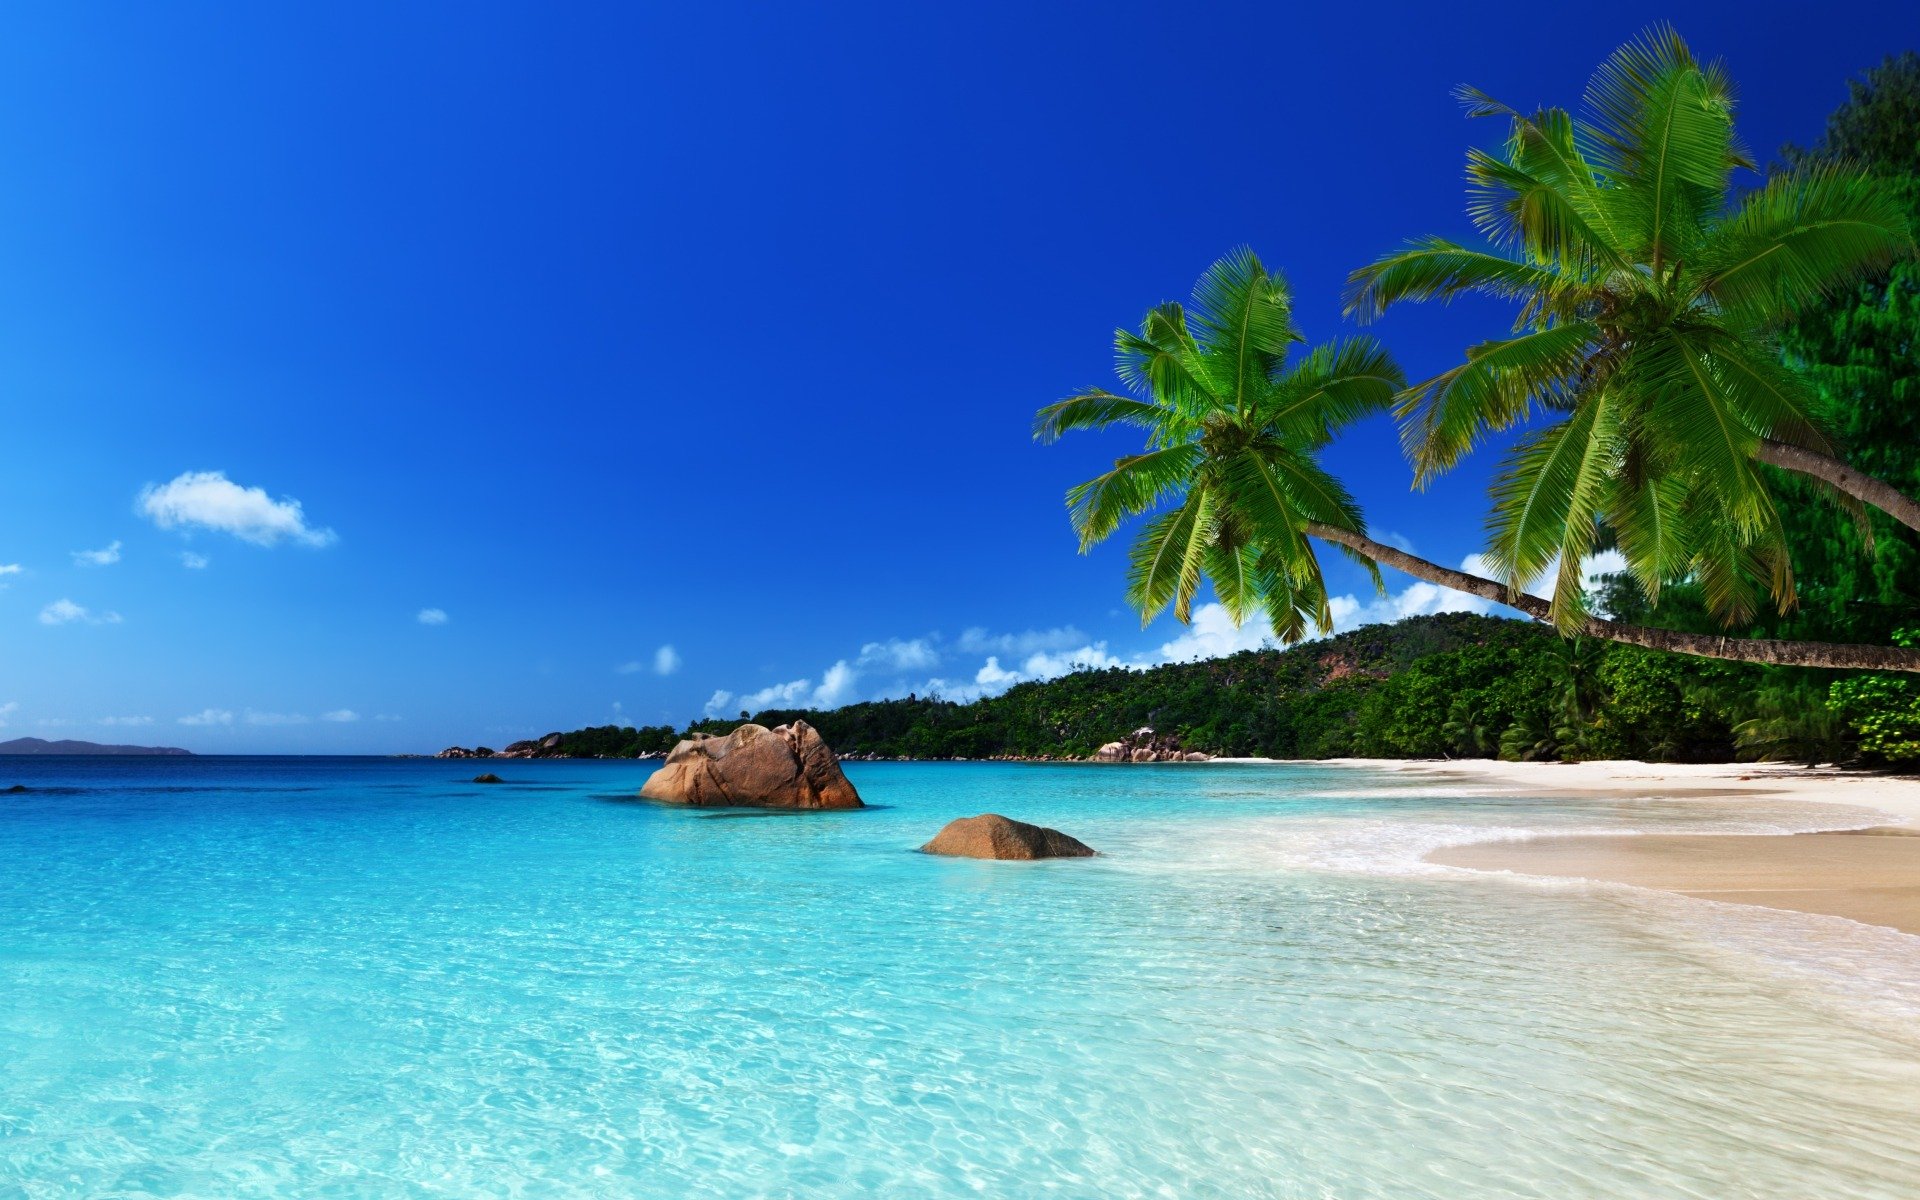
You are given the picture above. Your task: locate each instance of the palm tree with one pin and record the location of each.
(1647, 304)
(1233, 430)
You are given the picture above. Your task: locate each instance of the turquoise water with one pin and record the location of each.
(237, 978)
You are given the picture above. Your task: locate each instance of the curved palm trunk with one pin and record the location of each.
(1862, 487)
(1734, 649)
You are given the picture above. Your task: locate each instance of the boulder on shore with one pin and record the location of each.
(1144, 746)
(753, 767)
(991, 835)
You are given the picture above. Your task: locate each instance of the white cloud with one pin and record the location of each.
(719, 704)
(210, 500)
(66, 612)
(779, 695)
(1032, 641)
(6, 710)
(273, 718)
(836, 686)
(97, 558)
(896, 654)
(432, 616)
(993, 677)
(7, 569)
(1214, 635)
(124, 721)
(666, 660)
(340, 716)
(209, 716)
(194, 562)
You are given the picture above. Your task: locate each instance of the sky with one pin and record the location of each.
(383, 377)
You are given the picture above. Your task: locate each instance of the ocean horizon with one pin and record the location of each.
(254, 976)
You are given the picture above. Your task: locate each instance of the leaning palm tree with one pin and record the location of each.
(1234, 424)
(1647, 304)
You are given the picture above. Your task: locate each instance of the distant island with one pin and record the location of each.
(33, 745)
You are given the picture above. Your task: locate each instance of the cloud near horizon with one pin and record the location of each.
(209, 500)
(1050, 653)
(208, 716)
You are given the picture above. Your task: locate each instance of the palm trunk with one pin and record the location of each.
(1734, 649)
(1862, 487)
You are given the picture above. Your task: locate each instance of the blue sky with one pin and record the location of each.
(678, 350)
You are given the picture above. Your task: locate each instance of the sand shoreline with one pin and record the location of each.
(1840, 873)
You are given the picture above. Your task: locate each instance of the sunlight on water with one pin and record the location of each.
(370, 978)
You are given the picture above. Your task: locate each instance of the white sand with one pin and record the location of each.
(1898, 796)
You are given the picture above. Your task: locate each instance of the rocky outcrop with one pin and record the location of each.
(991, 835)
(1145, 746)
(489, 777)
(544, 747)
(753, 767)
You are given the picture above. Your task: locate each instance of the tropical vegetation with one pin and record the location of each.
(1647, 307)
(1649, 300)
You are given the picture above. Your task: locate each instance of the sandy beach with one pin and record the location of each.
(1868, 874)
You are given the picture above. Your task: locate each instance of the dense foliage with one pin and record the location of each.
(1861, 350)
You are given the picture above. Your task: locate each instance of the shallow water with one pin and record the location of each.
(326, 977)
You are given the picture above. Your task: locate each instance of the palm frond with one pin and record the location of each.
(1552, 479)
(1159, 361)
(1135, 485)
(1334, 385)
(1514, 207)
(1662, 138)
(1244, 318)
(1163, 555)
(1685, 404)
(1435, 268)
(1096, 408)
(1444, 417)
(1800, 237)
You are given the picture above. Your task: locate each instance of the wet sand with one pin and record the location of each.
(1857, 875)
(1870, 875)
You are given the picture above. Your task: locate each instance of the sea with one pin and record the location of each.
(361, 977)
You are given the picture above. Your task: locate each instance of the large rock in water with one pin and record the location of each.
(754, 767)
(991, 835)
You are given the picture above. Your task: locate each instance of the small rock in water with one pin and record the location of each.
(991, 835)
(15, 790)
(489, 777)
